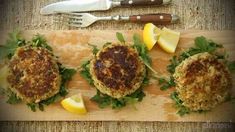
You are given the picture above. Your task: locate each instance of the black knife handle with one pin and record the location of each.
(141, 2)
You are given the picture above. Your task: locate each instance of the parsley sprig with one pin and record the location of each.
(13, 42)
(104, 100)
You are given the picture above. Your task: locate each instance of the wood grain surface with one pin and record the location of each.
(72, 49)
(195, 14)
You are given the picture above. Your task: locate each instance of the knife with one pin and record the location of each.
(94, 5)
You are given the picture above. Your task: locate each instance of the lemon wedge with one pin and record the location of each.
(151, 34)
(168, 40)
(74, 104)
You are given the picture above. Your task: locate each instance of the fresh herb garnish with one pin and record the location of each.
(231, 66)
(85, 72)
(33, 106)
(66, 73)
(179, 104)
(106, 44)
(104, 100)
(120, 37)
(144, 56)
(230, 98)
(13, 99)
(165, 84)
(182, 110)
(173, 64)
(12, 43)
(40, 41)
(95, 50)
(142, 50)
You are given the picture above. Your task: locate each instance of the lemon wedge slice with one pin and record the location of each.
(168, 40)
(151, 34)
(74, 104)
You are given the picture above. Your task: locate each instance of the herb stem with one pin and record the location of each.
(155, 73)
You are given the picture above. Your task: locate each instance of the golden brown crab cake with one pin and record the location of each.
(202, 82)
(33, 74)
(117, 70)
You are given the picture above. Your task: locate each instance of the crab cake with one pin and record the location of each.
(202, 82)
(33, 74)
(117, 70)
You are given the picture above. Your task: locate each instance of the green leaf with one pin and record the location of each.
(231, 66)
(40, 41)
(138, 94)
(41, 107)
(146, 81)
(161, 81)
(67, 74)
(173, 64)
(183, 111)
(51, 100)
(104, 100)
(13, 42)
(118, 103)
(95, 50)
(201, 43)
(167, 84)
(106, 44)
(230, 98)
(174, 96)
(85, 72)
(101, 99)
(142, 49)
(13, 99)
(120, 37)
(179, 104)
(32, 106)
(63, 90)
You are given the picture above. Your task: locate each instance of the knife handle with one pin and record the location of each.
(160, 18)
(142, 2)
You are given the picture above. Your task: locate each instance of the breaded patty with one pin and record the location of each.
(33, 74)
(202, 82)
(117, 70)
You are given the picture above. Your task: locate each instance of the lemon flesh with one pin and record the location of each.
(151, 34)
(168, 40)
(74, 104)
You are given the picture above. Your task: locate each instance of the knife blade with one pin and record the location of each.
(94, 5)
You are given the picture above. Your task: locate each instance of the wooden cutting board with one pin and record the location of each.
(72, 48)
